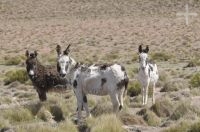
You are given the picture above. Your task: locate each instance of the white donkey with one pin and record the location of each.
(99, 80)
(148, 72)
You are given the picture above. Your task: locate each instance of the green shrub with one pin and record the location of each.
(163, 108)
(13, 60)
(195, 80)
(18, 115)
(160, 56)
(134, 88)
(16, 75)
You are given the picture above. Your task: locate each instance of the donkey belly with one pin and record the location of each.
(95, 89)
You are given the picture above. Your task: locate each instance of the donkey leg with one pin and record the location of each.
(115, 102)
(146, 92)
(153, 94)
(121, 98)
(85, 105)
(79, 98)
(143, 96)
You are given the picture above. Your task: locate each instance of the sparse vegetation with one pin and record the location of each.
(195, 80)
(16, 75)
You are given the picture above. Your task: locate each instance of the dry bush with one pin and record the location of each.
(182, 109)
(134, 88)
(195, 80)
(16, 75)
(163, 78)
(45, 115)
(150, 117)
(102, 108)
(172, 85)
(163, 107)
(129, 119)
(105, 123)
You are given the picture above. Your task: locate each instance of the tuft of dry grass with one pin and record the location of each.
(13, 60)
(181, 127)
(182, 109)
(172, 85)
(105, 123)
(18, 115)
(65, 126)
(150, 117)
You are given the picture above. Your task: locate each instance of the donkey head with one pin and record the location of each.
(63, 60)
(31, 63)
(143, 56)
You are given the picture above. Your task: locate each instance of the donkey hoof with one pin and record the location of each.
(120, 107)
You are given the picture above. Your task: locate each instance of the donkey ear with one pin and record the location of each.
(66, 52)
(27, 53)
(140, 49)
(147, 49)
(58, 49)
(35, 52)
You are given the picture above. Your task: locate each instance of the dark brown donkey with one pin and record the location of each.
(44, 78)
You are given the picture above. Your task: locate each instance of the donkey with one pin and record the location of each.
(99, 80)
(148, 72)
(43, 78)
